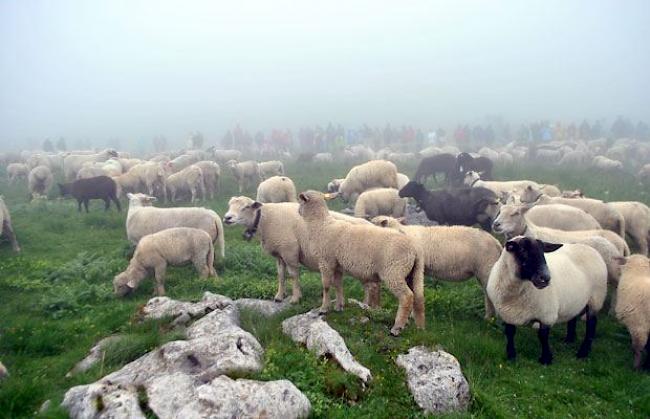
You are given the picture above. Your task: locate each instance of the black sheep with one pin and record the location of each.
(461, 206)
(465, 163)
(99, 187)
(441, 163)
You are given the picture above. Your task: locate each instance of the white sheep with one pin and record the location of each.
(270, 168)
(575, 158)
(211, 175)
(7, 228)
(152, 177)
(40, 181)
(402, 180)
(17, 171)
(276, 189)
(562, 217)
(112, 167)
(637, 222)
(73, 162)
(245, 173)
(380, 201)
(502, 189)
(189, 179)
(181, 162)
(401, 157)
(143, 219)
(372, 174)
(89, 171)
(226, 155)
(452, 253)
(334, 185)
(323, 158)
(127, 182)
(606, 164)
(365, 252)
(632, 308)
(526, 285)
(172, 246)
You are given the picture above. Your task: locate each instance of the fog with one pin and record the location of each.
(134, 69)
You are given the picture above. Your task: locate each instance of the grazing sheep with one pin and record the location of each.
(632, 308)
(270, 168)
(402, 180)
(172, 246)
(276, 189)
(152, 175)
(527, 286)
(430, 166)
(372, 174)
(6, 226)
(502, 189)
(637, 222)
(40, 181)
(189, 179)
(334, 185)
(181, 162)
(464, 206)
(211, 174)
(245, 173)
(366, 252)
(323, 158)
(100, 187)
(380, 201)
(283, 235)
(73, 162)
(143, 219)
(575, 158)
(606, 164)
(112, 167)
(561, 217)
(455, 253)
(17, 171)
(466, 163)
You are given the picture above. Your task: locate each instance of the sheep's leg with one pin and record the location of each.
(571, 330)
(9, 232)
(510, 330)
(117, 203)
(489, 307)
(372, 294)
(281, 267)
(338, 286)
(79, 205)
(642, 243)
(639, 340)
(294, 273)
(542, 334)
(86, 204)
(585, 347)
(646, 364)
(404, 296)
(326, 277)
(159, 272)
(201, 265)
(107, 204)
(418, 299)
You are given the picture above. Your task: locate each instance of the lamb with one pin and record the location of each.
(380, 201)
(526, 286)
(40, 181)
(402, 180)
(73, 162)
(270, 168)
(632, 308)
(372, 174)
(637, 222)
(464, 206)
(430, 166)
(7, 228)
(561, 217)
(606, 164)
(211, 174)
(369, 253)
(100, 187)
(16, 171)
(465, 163)
(244, 173)
(172, 246)
(283, 235)
(143, 219)
(454, 253)
(190, 179)
(501, 188)
(276, 189)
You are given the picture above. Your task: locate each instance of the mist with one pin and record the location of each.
(132, 70)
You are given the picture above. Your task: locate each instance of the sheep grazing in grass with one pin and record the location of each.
(152, 175)
(455, 253)
(283, 235)
(430, 166)
(526, 285)
(632, 307)
(372, 174)
(276, 189)
(380, 201)
(7, 228)
(143, 219)
(501, 188)
(637, 222)
(270, 168)
(40, 181)
(100, 187)
(189, 181)
(211, 174)
(245, 173)
(366, 252)
(605, 164)
(334, 185)
(16, 171)
(466, 163)
(464, 206)
(172, 246)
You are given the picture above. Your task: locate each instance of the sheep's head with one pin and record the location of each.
(123, 285)
(231, 164)
(510, 221)
(312, 204)
(573, 194)
(530, 195)
(334, 185)
(530, 263)
(471, 177)
(387, 222)
(241, 210)
(412, 189)
(140, 199)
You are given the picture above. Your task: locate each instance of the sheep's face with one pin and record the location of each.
(140, 199)
(510, 220)
(241, 210)
(411, 189)
(312, 204)
(122, 285)
(530, 195)
(528, 255)
(471, 177)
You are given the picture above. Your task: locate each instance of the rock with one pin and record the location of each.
(413, 217)
(159, 307)
(310, 330)
(94, 356)
(4, 373)
(179, 396)
(44, 407)
(435, 380)
(103, 401)
(265, 307)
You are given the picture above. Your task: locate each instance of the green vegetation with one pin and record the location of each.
(56, 301)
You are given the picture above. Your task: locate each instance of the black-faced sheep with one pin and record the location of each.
(465, 163)
(100, 187)
(430, 166)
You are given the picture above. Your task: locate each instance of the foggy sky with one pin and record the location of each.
(133, 69)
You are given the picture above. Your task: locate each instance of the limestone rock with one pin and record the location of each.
(159, 307)
(94, 356)
(102, 401)
(265, 307)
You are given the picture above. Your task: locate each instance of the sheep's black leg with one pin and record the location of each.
(79, 205)
(542, 334)
(86, 205)
(646, 364)
(117, 203)
(107, 204)
(571, 330)
(585, 348)
(510, 330)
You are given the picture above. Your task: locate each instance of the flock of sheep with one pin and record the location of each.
(561, 251)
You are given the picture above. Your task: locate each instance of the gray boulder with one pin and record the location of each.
(94, 356)
(103, 401)
(265, 307)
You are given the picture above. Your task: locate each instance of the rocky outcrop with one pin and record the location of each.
(265, 307)
(94, 356)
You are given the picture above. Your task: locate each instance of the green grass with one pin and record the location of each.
(56, 301)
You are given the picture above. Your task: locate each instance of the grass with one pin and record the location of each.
(56, 301)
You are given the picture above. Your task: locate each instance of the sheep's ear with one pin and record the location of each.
(549, 247)
(303, 197)
(256, 205)
(529, 188)
(512, 246)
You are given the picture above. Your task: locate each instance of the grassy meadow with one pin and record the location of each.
(56, 301)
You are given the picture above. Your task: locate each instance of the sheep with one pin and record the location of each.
(334, 185)
(17, 171)
(466, 163)
(276, 189)
(244, 173)
(171, 246)
(369, 253)
(372, 174)
(40, 181)
(606, 215)
(643, 175)
(632, 308)
(323, 158)
(400, 157)
(455, 253)
(73, 162)
(402, 180)
(526, 286)
(226, 155)
(270, 168)
(190, 179)
(112, 167)
(606, 164)
(143, 219)
(7, 228)
(127, 164)
(127, 182)
(574, 158)
(100, 187)
(430, 166)
(181, 162)
(488, 153)
(87, 172)
(152, 176)
(283, 235)
(637, 222)
(380, 201)
(430, 151)
(500, 188)
(562, 217)
(550, 190)
(464, 206)
(211, 174)
(505, 158)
